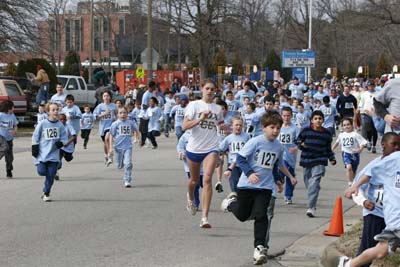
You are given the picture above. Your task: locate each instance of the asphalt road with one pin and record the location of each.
(94, 221)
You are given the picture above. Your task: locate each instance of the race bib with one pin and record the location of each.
(180, 113)
(87, 121)
(378, 197)
(235, 147)
(231, 108)
(348, 142)
(266, 159)
(107, 117)
(327, 111)
(348, 105)
(51, 133)
(124, 130)
(286, 138)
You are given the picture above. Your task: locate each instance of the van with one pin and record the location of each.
(10, 90)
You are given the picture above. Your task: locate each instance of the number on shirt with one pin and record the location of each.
(348, 142)
(51, 133)
(266, 159)
(285, 138)
(107, 117)
(124, 130)
(235, 147)
(378, 197)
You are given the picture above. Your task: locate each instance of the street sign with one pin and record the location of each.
(140, 72)
(298, 59)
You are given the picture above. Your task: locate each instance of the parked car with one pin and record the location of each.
(76, 86)
(10, 90)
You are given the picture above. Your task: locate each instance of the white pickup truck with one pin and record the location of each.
(76, 86)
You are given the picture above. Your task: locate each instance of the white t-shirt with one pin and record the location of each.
(204, 137)
(350, 141)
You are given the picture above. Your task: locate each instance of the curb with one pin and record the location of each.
(312, 250)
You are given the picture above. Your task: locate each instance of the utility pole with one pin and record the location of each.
(149, 41)
(309, 40)
(91, 42)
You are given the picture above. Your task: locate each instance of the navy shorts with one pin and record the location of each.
(199, 157)
(352, 159)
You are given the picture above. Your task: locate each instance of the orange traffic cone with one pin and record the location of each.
(336, 226)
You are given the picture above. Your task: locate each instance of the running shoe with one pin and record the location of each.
(57, 177)
(218, 187)
(204, 223)
(227, 201)
(191, 208)
(288, 201)
(128, 185)
(373, 150)
(46, 198)
(311, 212)
(260, 255)
(105, 160)
(369, 145)
(109, 161)
(344, 261)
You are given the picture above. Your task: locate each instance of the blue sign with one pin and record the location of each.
(299, 73)
(298, 59)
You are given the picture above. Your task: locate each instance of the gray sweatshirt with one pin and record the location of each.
(387, 101)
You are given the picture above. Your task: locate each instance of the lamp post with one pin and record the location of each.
(149, 40)
(309, 38)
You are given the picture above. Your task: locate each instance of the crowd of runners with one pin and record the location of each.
(247, 132)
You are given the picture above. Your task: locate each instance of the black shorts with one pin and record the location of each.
(103, 137)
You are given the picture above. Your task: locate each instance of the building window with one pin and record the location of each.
(106, 29)
(52, 34)
(121, 26)
(96, 34)
(67, 35)
(77, 35)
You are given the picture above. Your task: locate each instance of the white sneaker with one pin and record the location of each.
(204, 223)
(288, 201)
(109, 161)
(344, 261)
(260, 255)
(190, 206)
(127, 185)
(227, 201)
(105, 160)
(46, 198)
(311, 212)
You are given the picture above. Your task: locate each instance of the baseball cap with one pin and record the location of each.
(357, 84)
(183, 97)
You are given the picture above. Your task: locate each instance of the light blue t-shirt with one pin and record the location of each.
(243, 93)
(329, 115)
(46, 134)
(375, 190)
(387, 172)
(7, 124)
(233, 144)
(146, 98)
(181, 148)
(58, 99)
(179, 114)
(261, 154)
(287, 137)
(40, 117)
(233, 108)
(169, 104)
(75, 115)
(70, 132)
(106, 121)
(122, 132)
(319, 96)
(154, 115)
(303, 119)
(87, 121)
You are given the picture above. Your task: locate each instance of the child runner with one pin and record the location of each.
(87, 122)
(47, 139)
(9, 122)
(155, 116)
(69, 147)
(315, 145)
(287, 137)
(232, 144)
(169, 104)
(329, 115)
(386, 172)
(41, 115)
(178, 114)
(121, 132)
(73, 113)
(181, 148)
(59, 97)
(202, 117)
(106, 113)
(256, 160)
(302, 117)
(374, 222)
(352, 144)
(134, 115)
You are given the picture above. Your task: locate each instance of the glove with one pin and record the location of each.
(35, 150)
(59, 144)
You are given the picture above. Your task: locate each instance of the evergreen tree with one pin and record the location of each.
(31, 66)
(383, 66)
(237, 66)
(72, 64)
(219, 60)
(273, 61)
